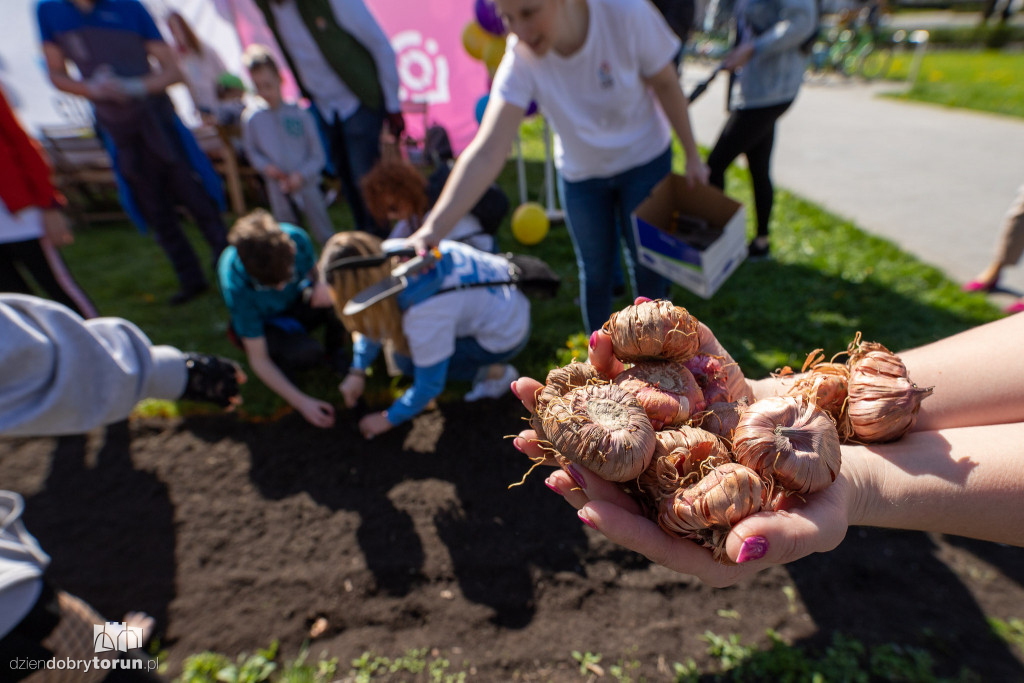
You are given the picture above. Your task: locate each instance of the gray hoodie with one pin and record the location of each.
(22, 563)
(60, 374)
(775, 71)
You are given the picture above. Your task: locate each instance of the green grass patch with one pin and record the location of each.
(828, 280)
(983, 80)
(726, 658)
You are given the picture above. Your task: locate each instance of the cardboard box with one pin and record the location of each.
(700, 271)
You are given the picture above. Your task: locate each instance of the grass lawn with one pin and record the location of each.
(828, 281)
(985, 80)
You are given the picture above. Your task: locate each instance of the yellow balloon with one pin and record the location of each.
(530, 223)
(474, 37)
(494, 50)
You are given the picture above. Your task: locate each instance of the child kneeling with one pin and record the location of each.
(446, 324)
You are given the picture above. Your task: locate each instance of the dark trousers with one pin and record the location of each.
(289, 342)
(43, 264)
(750, 132)
(152, 159)
(355, 149)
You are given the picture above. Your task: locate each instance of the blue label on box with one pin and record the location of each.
(666, 245)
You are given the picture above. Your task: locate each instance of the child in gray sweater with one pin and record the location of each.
(282, 142)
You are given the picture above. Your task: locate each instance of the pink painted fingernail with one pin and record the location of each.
(586, 520)
(577, 476)
(515, 442)
(753, 548)
(547, 482)
(641, 300)
(514, 391)
(593, 339)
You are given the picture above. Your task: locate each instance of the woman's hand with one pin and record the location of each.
(425, 238)
(816, 524)
(375, 423)
(601, 357)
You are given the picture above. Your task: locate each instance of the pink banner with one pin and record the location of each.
(432, 64)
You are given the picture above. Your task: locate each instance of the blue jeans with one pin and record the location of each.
(597, 213)
(469, 358)
(355, 144)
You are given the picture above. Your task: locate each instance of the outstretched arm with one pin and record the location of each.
(958, 479)
(474, 171)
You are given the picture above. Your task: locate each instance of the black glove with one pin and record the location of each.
(396, 123)
(211, 379)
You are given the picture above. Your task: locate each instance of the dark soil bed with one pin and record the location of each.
(235, 534)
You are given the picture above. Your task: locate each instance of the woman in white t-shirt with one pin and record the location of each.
(602, 73)
(447, 323)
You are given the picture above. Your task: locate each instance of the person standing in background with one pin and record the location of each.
(111, 44)
(200, 65)
(32, 225)
(602, 74)
(345, 65)
(679, 14)
(766, 70)
(282, 142)
(1008, 252)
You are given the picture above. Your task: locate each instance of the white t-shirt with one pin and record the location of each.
(610, 122)
(496, 317)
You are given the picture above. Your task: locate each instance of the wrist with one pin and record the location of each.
(864, 496)
(356, 372)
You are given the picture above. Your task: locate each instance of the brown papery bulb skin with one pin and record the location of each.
(827, 386)
(681, 457)
(883, 402)
(721, 419)
(790, 441)
(723, 497)
(603, 428)
(561, 381)
(666, 389)
(653, 330)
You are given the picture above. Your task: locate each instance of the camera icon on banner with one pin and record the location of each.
(116, 636)
(422, 68)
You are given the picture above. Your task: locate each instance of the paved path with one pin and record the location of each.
(935, 181)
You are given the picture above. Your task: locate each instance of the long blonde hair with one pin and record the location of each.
(381, 321)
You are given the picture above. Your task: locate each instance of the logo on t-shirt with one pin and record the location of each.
(604, 75)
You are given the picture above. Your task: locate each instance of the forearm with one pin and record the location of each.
(965, 481)
(267, 370)
(674, 103)
(65, 83)
(472, 174)
(977, 376)
(428, 383)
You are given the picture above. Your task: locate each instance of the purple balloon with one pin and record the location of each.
(488, 18)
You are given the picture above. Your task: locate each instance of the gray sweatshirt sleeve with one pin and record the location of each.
(60, 374)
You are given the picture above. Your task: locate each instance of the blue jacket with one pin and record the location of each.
(775, 71)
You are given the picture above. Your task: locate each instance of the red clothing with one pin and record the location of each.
(24, 171)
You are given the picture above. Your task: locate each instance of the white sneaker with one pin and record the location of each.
(493, 388)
